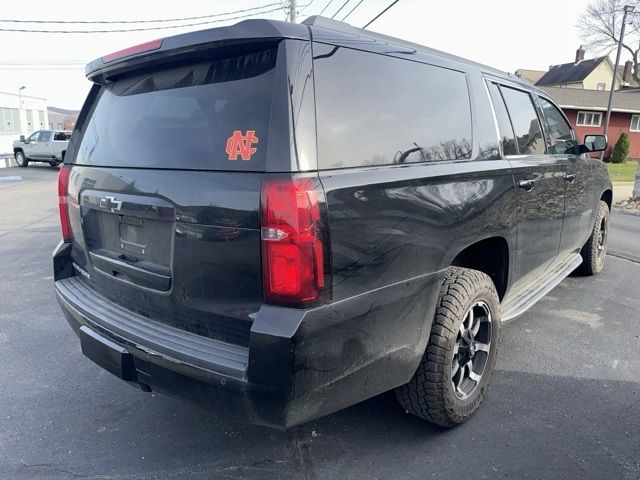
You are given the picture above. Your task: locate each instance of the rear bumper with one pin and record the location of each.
(300, 364)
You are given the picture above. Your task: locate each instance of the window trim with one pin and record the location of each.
(631, 123)
(495, 117)
(588, 112)
(604, 87)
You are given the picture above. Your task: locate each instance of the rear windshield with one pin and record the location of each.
(210, 115)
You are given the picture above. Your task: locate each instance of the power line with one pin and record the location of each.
(42, 62)
(183, 19)
(351, 11)
(23, 30)
(380, 14)
(40, 69)
(326, 6)
(343, 5)
(304, 7)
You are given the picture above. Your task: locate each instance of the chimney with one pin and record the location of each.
(579, 54)
(626, 73)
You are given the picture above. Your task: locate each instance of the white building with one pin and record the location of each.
(16, 119)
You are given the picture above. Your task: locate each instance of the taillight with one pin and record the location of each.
(127, 52)
(63, 191)
(292, 242)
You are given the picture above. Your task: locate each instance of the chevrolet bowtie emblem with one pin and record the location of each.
(111, 204)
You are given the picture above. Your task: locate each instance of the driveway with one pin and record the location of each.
(564, 401)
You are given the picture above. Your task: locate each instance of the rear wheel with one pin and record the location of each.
(21, 160)
(54, 164)
(594, 251)
(452, 377)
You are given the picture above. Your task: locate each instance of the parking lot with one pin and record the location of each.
(564, 400)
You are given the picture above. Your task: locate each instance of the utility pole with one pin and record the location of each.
(292, 11)
(20, 109)
(627, 9)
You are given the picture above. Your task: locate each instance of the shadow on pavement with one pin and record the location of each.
(532, 426)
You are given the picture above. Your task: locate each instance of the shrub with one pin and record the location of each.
(621, 149)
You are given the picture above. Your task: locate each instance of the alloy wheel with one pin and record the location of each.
(471, 350)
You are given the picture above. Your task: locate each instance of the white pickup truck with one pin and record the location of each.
(41, 146)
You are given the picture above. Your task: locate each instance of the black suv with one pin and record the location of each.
(277, 221)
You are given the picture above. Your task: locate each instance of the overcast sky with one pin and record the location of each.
(507, 34)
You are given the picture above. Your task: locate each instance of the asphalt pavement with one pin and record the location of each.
(564, 400)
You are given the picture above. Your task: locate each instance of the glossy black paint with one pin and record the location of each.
(392, 232)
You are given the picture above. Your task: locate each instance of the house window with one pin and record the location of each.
(589, 119)
(601, 86)
(635, 123)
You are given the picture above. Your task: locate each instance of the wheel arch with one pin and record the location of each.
(489, 255)
(607, 197)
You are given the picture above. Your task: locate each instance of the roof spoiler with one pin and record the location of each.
(105, 69)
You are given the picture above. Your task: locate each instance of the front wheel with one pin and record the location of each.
(452, 377)
(21, 160)
(594, 251)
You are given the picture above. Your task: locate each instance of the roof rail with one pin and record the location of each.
(343, 27)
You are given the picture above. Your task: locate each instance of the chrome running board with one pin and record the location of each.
(522, 300)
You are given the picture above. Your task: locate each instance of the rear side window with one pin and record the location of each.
(507, 137)
(378, 110)
(61, 136)
(560, 136)
(207, 115)
(525, 121)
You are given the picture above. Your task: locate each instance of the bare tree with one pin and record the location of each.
(600, 29)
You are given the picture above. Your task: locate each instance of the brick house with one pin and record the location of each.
(587, 109)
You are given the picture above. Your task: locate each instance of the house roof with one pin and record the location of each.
(579, 99)
(570, 72)
(531, 76)
(620, 71)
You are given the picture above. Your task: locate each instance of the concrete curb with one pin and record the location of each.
(7, 160)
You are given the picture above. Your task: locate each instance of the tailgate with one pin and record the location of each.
(164, 191)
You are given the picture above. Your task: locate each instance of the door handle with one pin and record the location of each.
(526, 184)
(570, 177)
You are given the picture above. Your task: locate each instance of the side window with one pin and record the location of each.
(524, 120)
(507, 137)
(560, 136)
(44, 137)
(34, 137)
(61, 136)
(378, 110)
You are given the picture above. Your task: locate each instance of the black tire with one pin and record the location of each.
(21, 160)
(54, 164)
(431, 393)
(594, 252)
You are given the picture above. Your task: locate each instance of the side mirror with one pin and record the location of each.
(22, 139)
(593, 143)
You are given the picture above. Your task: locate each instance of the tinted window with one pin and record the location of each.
(377, 110)
(61, 136)
(559, 134)
(45, 137)
(507, 137)
(183, 116)
(524, 120)
(34, 137)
